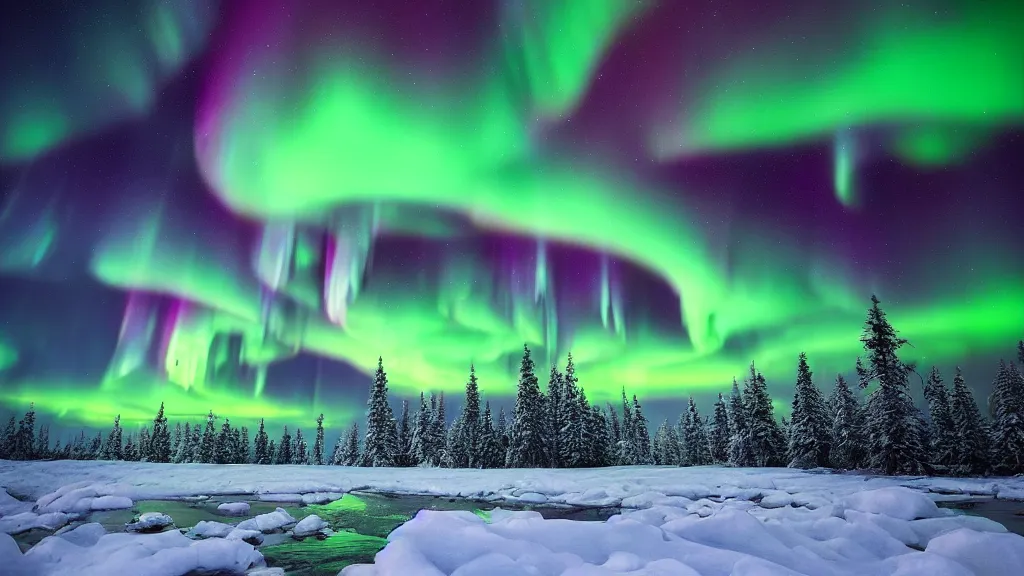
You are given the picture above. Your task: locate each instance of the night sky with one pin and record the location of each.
(240, 207)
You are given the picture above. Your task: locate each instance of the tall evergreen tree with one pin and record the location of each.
(526, 440)
(766, 442)
(847, 430)
(1009, 425)
(604, 453)
(809, 431)
(381, 443)
(159, 449)
(1020, 352)
(614, 433)
(943, 433)
(438, 429)
(501, 429)
(351, 456)
(641, 435)
(112, 449)
(453, 455)
(573, 450)
(893, 443)
(627, 439)
(208, 444)
(25, 438)
(223, 451)
(554, 421)
(9, 439)
(405, 432)
(720, 432)
(300, 450)
(243, 448)
(284, 449)
(740, 450)
(42, 447)
(185, 449)
(971, 432)
(176, 441)
(130, 453)
(695, 439)
(490, 455)
(661, 455)
(468, 438)
(421, 435)
(261, 450)
(318, 444)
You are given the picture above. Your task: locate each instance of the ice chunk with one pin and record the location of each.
(894, 501)
(209, 529)
(308, 526)
(268, 522)
(234, 508)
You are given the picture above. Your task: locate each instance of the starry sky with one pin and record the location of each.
(241, 205)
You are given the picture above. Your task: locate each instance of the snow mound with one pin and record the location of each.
(84, 535)
(163, 554)
(208, 529)
(268, 522)
(234, 508)
(111, 503)
(25, 521)
(287, 498)
(9, 505)
(149, 522)
(309, 526)
(321, 497)
(984, 553)
(895, 502)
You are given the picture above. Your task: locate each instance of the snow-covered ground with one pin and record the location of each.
(679, 521)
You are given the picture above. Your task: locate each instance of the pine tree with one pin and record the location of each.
(223, 452)
(420, 455)
(661, 458)
(695, 440)
(452, 456)
(42, 447)
(184, 452)
(809, 441)
(491, 455)
(971, 434)
(176, 441)
(130, 454)
(943, 434)
(526, 440)
(159, 449)
(8, 440)
(405, 432)
(740, 450)
(112, 450)
(587, 432)
(272, 452)
(381, 443)
(603, 449)
(24, 444)
(351, 456)
(720, 432)
(284, 448)
(570, 435)
(893, 443)
(143, 445)
(1008, 394)
(614, 433)
(627, 441)
(208, 444)
(300, 450)
(318, 444)
(438, 429)
(469, 433)
(847, 430)
(555, 409)
(196, 444)
(261, 453)
(501, 429)
(766, 442)
(1020, 352)
(641, 436)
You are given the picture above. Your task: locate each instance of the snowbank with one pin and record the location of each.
(309, 526)
(234, 508)
(268, 522)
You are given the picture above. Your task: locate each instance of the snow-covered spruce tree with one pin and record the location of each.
(452, 455)
(261, 451)
(42, 447)
(160, 442)
(272, 452)
(468, 437)
(96, 447)
(176, 440)
(184, 452)
(659, 443)
(1008, 394)
(284, 448)
(351, 456)
(8, 439)
(112, 449)
(24, 441)
(405, 454)
(421, 435)
(438, 430)
(224, 450)
(300, 450)
(641, 435)
(809, 437)
(143, 445)
(972, 437)
(587, 433)
(603, 453)
(614, 433)
(380, 445)
(208, 444)
(501, 429)
(1020, 352)
(739, 436)
(698, 451)
(847, 427)
(526, 437)
(570, 435)
(627, 440)
(129, 453)
(318, 444)
(942, 448)
(893, 444)
(767, 444)
(245, 454)
(491, 455)
(553, 417)
(719, 433)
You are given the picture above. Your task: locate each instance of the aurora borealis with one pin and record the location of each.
(242, 207)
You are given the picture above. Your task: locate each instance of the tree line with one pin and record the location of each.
(560, 428)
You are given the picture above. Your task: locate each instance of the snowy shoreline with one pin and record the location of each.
(696, 520)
